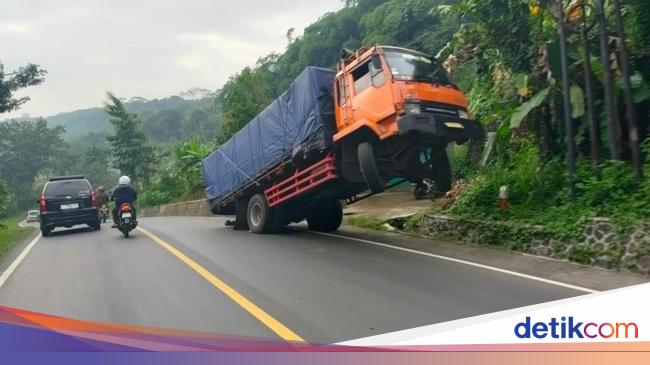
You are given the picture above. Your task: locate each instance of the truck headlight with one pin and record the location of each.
(412, 108)
(463, 114)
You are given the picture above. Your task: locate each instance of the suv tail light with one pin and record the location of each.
(93, 200)
(42, 206)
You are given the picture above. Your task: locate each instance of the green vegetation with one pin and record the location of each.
(11, 234)
(4, 197)
(181, 178)
(366, 222)
(11, 82)
(28, 150)
(506, 58)
(129, 149)
(171, 118)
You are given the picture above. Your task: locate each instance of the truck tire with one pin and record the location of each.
(260, 217)
(335, 218)
(241, 211)
(325, 215)
(280, 221)
(441, 173)
(369, 168)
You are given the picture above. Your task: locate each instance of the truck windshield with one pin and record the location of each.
(414, 67)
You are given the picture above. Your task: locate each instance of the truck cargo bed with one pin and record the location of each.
(297, 124)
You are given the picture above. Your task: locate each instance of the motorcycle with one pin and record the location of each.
(425, 189)
(103, 213)
(125, 222)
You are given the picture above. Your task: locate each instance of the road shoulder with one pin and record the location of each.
(550, 269)
(7, 259)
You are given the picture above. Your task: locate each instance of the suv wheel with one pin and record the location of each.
(45, 231)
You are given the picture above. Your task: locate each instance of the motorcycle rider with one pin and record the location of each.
(124, 193)
(101, 196)
(102, 202)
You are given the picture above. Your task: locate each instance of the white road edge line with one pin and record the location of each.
(487, 267)
(7, 273)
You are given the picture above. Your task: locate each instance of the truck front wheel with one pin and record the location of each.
(259, 215)
(369, 168)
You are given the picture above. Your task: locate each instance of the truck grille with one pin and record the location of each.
(439, 108)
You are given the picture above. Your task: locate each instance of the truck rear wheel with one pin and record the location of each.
(241, 212)
(369, 168)
(279, 217)
(260, 216)
(325, 215)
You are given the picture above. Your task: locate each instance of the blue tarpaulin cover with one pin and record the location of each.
(293, 121)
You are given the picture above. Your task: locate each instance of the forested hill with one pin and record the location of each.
(171, 118)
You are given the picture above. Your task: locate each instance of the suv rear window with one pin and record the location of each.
(67, 187)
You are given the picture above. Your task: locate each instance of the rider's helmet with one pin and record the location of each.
(124, 180)
(100, 188)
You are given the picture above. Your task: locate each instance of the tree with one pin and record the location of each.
(409, 23)
(243, 97)
(4, 197)
(164, 125)
(201, 122)
(27, 149)
(25, 76)
(131, 153)
(187, 164)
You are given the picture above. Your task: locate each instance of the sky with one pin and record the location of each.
(143, 48)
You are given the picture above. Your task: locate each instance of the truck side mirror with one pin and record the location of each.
(377, 73)
(376, 62)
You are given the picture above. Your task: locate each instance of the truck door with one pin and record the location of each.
(373, 97)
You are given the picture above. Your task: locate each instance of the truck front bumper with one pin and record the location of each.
(437, 125)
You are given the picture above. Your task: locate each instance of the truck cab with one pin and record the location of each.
(396, 110)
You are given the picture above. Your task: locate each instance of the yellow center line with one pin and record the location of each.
(257, 312)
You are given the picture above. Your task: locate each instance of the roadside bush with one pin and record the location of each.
(460, 162)
(539, 194)
(181, 177)
(164, 190)
(530, 181)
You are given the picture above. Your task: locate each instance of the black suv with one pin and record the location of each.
(67, 201)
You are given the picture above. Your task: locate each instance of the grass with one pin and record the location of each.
(366, 222)
(11, 234)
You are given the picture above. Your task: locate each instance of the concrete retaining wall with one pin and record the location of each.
(194, 208)
(601, 243)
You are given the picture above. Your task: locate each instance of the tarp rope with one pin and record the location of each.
(235, 166)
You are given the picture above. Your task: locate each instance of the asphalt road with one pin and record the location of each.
(324, 289)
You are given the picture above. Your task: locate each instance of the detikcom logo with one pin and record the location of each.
(568, 327)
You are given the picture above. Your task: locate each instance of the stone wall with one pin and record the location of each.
(601, 243)
(194, 208)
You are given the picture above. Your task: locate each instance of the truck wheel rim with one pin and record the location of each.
(256, 214)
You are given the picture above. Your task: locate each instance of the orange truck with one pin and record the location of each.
(386, 114)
